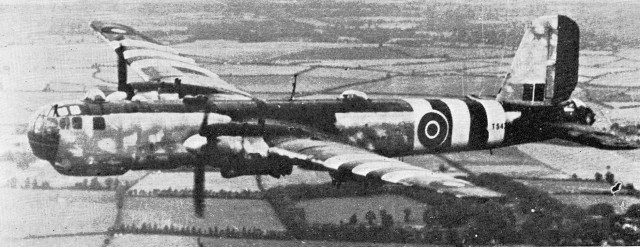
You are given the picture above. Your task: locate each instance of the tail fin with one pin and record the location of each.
(545, 68)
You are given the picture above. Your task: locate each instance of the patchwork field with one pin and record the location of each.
(184, 180)
(584, 161)
(445, 85)
(62, 241)
(358, 63)
(619, 203)
(219, 212)
(298, 176)
(59, 56)
(455, 52)
(432, 67)
(567, 186)
(161, 240)
(508, 161)
(252, 70)
(50, 212)
(275, 84)
(629, 79)
(233, 51)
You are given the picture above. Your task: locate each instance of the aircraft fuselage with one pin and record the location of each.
(104, 138)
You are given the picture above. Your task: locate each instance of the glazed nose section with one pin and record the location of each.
(43, 140)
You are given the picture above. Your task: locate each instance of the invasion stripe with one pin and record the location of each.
(460, 122)
(495, 121)
(130, 43)
(381, 172)
(168, 63)
(397, 176)
(336, 161)
(139, 54)
(365, 168)
(442, 107)
(435, 181)
(478, 134)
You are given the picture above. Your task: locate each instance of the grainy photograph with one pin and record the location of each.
(319, 123)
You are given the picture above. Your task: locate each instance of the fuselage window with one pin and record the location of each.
(76, 122)
(74, 110)
(63, 111)
(98, 123)
(64, 123)
(37, 127)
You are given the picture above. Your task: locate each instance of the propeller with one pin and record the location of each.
(198, 173)
(198, 187)
(122, 74)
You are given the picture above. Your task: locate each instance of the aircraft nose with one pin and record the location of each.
(44, 145)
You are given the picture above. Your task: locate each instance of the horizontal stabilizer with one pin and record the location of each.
(590, 136)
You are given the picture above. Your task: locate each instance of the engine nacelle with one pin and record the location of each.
(90, 171)
(241, 166)
(249, 156)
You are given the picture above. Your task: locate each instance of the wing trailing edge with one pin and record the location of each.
(345, 160)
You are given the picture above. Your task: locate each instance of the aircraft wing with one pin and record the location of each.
(347, 160)
(158, 64)
(590, 136)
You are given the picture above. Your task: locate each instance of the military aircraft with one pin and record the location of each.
(158, 123)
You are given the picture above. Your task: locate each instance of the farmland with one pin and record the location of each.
(381, 49)
(220, 213)
(182, 180)
(50, 212)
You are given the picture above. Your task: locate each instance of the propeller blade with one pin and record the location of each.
(198, 188)
(205, 122)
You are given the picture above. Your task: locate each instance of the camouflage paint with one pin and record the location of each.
(131, 140)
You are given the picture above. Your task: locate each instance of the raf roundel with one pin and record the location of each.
(433, 129)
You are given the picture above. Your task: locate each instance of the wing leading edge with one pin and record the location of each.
(158, 64)
(353, 161)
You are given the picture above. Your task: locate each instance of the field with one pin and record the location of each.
(218, 212)
(619, 203)
(62, 241)
(508, 161)
(432, 67)
(567, 186)
(358, 63)
(161, 240)
(619, 80)
(584, 161)
(50, 212)
(252, 70)
(278, 83)
(51, 55)
(183, 180)
(298, 176)
(233, 51)
(444, 85)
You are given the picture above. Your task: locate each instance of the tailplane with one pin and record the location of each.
(544, 71)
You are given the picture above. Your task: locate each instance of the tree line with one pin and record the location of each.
(222, 194)
(524, 216)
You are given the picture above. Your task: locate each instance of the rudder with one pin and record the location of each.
(545, 68)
